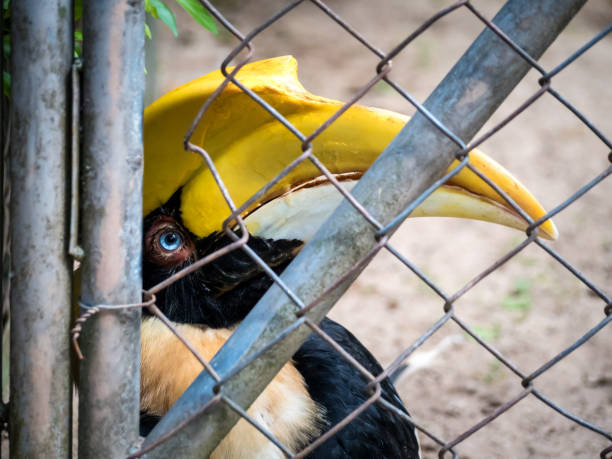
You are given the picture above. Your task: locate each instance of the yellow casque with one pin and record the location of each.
(249, 148)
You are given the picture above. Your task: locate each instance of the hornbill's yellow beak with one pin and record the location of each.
(249, 148)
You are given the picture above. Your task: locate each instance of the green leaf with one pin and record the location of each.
(78, 9)
(199, 13)
(148, 32)
(165, 14)
(6, 44)
(78, 40)
(6, 86)
(149, 8)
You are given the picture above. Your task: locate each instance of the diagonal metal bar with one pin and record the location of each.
(465, 99)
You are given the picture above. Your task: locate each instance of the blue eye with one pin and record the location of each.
(170, 241)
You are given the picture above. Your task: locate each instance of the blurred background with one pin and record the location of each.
(532, 307)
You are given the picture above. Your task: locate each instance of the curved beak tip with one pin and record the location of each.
(549, 231)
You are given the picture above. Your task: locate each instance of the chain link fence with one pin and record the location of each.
(526, 380)
(304, 303)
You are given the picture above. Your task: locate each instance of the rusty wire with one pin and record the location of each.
(235, 228)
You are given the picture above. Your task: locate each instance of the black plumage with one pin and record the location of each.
(221, 294)
(340, 388)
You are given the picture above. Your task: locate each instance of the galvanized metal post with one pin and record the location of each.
(41, 387)
(418, 156)
(4, 250)
(113, 88)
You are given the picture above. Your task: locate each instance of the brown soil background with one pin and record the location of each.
(551, 152)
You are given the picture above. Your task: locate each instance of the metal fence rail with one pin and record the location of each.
(441, 130)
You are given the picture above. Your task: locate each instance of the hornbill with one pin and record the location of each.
(184, 211)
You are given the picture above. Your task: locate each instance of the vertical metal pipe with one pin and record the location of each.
(3, 214)
(41, 387)
(113, 87)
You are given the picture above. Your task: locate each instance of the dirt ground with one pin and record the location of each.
(532, 307)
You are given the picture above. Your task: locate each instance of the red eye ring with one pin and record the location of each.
(166, 243)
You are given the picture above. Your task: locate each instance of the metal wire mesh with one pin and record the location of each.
(526, 381)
